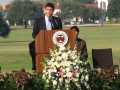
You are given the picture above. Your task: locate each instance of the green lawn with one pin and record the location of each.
(103, 37)
(14, 49)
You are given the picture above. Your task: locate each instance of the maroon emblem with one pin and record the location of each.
(60, 39)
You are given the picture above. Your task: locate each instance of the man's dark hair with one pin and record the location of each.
(50, 5)
(76, 28)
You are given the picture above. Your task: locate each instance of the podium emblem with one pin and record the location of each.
(60, 38)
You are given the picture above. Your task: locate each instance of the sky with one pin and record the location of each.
(5, 1)
(2, 2)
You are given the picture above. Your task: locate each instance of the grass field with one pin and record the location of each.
(14, 53)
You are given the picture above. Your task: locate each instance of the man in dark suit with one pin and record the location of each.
(80, 44)
(45, 22)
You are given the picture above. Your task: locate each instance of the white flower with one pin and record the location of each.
(86, 77)
(82, 78)
(81, 70)
(61, 80)
(49, 63)
(67, 63)
(54, 82)
(67, 69)
(77, 75)
(69, 74)
(85, 70)
(62, 48)
(63, 64)
(52, 59)
(58, 58)
(64, 56)
(69, 52)
(47, 81)
(55, 64)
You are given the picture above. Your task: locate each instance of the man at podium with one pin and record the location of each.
(45, 22)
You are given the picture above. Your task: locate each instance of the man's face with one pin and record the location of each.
(48, 11)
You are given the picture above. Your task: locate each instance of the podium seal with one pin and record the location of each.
(60, 38)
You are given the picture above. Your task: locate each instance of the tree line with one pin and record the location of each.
(24, 10)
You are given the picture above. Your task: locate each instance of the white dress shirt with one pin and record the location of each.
(48, 23)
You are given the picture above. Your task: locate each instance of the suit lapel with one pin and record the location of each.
(54, 22)
(43, 23)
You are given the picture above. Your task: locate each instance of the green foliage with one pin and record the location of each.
(36, 82)
(21, 80)
(70, 8)
(95, 14)
(114, 9)
(115, 84)
(98, 83)
(21, 10)
(85, 1)
(7, 83)
(25, 9)
(73, 9)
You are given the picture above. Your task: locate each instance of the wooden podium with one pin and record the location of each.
(44, 41)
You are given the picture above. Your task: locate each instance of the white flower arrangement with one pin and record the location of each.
(64, 66)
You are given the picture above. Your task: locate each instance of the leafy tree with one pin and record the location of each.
(70, 8)
(95, 14)
(85, 1)
(114, 9)
(21, 10)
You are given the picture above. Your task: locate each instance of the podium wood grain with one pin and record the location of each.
(43, 42)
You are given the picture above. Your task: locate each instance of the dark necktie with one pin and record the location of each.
(52, 22)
